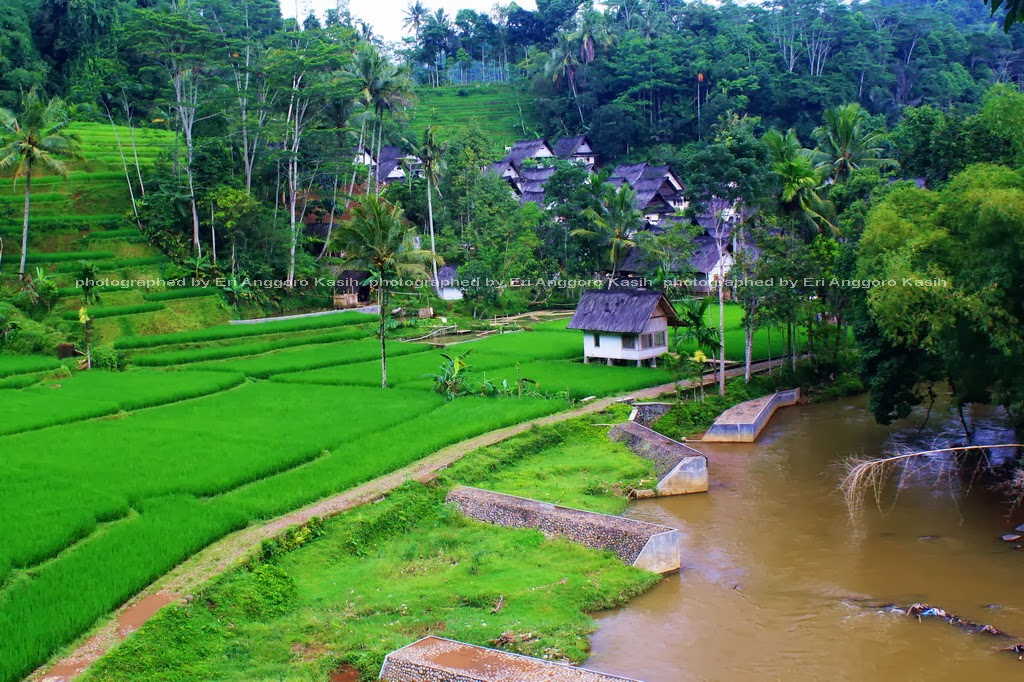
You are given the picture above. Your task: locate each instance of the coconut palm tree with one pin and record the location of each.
(37, 140)
(616, 223)
(381, 87)
(563, 65)
(377, 238)
(800, 183)
(593, 33)
(394, 93)
(415, 16)
(847, 142)
(429, 152)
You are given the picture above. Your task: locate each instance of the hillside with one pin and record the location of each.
(86, 218)
(503, 112)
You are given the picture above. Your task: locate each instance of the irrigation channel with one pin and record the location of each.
(778, 583)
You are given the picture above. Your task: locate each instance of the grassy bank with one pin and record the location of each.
(372, 580)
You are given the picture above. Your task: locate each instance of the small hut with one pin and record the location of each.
(624, 325)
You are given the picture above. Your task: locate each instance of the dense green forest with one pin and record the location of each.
(807, 122)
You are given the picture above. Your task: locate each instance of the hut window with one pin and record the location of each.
(629, 341)
(659, 339)
(597, 340)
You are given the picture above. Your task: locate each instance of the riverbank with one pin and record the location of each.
(342, 593)
(778, 575)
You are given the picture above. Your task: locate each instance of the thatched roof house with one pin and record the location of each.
(624, 325)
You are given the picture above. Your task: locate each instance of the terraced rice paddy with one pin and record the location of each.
(503, 114)
(107, 480)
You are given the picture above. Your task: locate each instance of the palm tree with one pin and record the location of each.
(377, 238)
(801, 184)
(415, 15)
(617, 222)
(380, 87)
(366, 71)
(429, 153)
(845, 142)
(38, 140)
(562, 66)
(593, 34)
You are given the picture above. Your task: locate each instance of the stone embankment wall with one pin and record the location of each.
(645, 545)
(680, 469)
(648, 413)
(435, 659)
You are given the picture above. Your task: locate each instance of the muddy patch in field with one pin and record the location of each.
(344, 673)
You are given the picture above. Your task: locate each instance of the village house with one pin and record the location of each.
(624, 325)
(659, 191)
(393, 165)
(447, 283)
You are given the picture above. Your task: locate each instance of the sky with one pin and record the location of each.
(385, 16)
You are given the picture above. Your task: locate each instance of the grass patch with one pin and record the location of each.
(180, 293)
(69, 256)
(96, 393)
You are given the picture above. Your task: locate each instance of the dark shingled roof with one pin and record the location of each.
(389, 160)
(447, 274)
(623, 311)
(524, 149)
(567, 146)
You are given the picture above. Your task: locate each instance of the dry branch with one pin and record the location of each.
(870, 475)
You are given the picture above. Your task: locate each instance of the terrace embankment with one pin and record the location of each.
(644, 545)
(680, 468)
(435, 659)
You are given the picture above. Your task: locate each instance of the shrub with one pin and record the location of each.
(108, 358)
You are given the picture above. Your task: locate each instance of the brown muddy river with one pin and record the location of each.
(772, 561)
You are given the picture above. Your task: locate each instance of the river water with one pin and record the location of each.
(773, 566)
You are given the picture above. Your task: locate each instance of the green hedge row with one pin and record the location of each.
(116, 311)
(124, 233)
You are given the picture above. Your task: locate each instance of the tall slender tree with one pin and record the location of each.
(376, 238)
(36, 140)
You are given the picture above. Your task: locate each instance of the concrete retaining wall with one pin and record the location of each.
(644, 545)
(435, 659)
(680, 469)
(744, 422)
